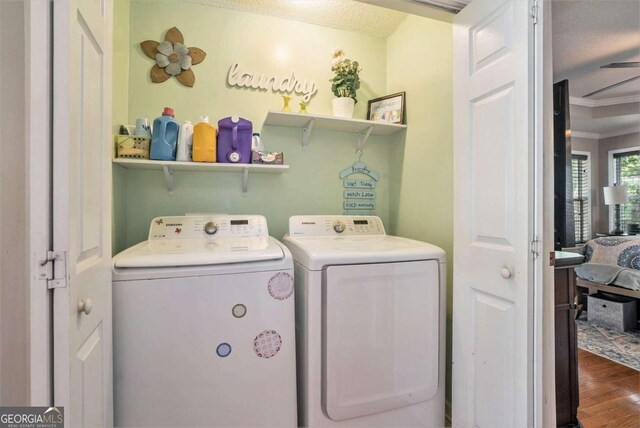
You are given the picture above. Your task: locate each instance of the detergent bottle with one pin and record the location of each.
(234, 140)
(185, 142)
(165, 136)
(204, 141)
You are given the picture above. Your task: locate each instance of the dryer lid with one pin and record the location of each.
(316, 253)
(325, 240)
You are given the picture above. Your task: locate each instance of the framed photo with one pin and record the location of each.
(389, 108)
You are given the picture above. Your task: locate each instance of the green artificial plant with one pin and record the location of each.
(346, 81)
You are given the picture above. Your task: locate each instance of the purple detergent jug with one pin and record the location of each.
(234, 140)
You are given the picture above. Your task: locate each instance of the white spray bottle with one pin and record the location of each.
(185, 142)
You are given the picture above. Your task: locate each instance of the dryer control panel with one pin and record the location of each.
(335, 225)
(208, 227)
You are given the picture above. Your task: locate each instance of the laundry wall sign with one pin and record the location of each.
(359, 182)
(287, 84)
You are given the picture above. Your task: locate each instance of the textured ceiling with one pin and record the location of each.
(591, 33)
(346, 15)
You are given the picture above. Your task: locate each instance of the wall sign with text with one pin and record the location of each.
(359, 182)
(285, 84)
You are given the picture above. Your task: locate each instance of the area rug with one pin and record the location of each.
(618, 346)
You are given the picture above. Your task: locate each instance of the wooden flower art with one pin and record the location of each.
(173, 58)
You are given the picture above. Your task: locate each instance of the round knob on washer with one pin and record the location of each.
(210, 228)
(338, 227)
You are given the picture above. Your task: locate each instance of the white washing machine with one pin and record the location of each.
(370, 313)
(204, 326)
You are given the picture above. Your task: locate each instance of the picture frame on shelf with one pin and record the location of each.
(390, 108)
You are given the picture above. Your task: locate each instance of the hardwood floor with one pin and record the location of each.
(609, 393)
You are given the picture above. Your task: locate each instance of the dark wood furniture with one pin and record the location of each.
(562, 177)
(567, 397)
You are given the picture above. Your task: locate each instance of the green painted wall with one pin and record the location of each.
(259, 43)
(419, 61)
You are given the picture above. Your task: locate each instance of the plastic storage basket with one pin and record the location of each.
(132, 146)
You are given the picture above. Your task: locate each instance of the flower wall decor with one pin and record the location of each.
(173, 58)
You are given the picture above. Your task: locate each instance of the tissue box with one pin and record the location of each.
(270, 158)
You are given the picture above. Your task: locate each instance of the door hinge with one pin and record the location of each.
(534, 12)
(53, 269)
(535, 247)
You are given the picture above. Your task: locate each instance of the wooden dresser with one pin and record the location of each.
(567, 397)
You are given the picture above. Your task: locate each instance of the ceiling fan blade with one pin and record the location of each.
(612, 86)
(629, 64)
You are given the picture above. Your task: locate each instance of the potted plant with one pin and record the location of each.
(344, 84)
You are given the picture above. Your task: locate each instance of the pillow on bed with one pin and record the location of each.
(628, 278)
(613, 250)
(595, 272)
(609, 275)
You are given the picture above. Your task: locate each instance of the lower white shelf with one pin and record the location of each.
(169, 166)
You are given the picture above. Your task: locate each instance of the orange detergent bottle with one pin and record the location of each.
(204, 141)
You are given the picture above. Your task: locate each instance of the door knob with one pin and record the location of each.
(85, 306)
(506, 273)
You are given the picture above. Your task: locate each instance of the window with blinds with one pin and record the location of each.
(626, 172)
(580, 169)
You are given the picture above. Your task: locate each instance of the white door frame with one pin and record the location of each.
(38, 199)
(544, 306)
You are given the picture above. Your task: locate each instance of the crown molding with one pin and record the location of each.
(620, 132)
(576, 101)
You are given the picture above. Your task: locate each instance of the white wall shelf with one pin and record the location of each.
(168, 167)
(309, 122)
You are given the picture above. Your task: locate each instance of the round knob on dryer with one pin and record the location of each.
(210, 228)
(339, 227)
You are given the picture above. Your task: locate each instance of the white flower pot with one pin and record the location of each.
(343, 107)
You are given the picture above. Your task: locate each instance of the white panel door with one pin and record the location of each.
(381, 333)
(82, 210)
(494, 215)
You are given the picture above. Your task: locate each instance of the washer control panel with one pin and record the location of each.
(208, 227)
(329, 225)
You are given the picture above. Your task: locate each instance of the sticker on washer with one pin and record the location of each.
(239, 310)
(223, 350)
(267, 344)
(281, 286)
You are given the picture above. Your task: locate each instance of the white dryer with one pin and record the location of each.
(370, 313)
(204, 326)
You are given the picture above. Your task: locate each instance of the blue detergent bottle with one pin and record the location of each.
(165, 136)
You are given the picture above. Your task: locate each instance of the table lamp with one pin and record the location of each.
(616, 195)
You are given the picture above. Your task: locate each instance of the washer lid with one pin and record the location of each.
(317, 252)
(198, 252)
